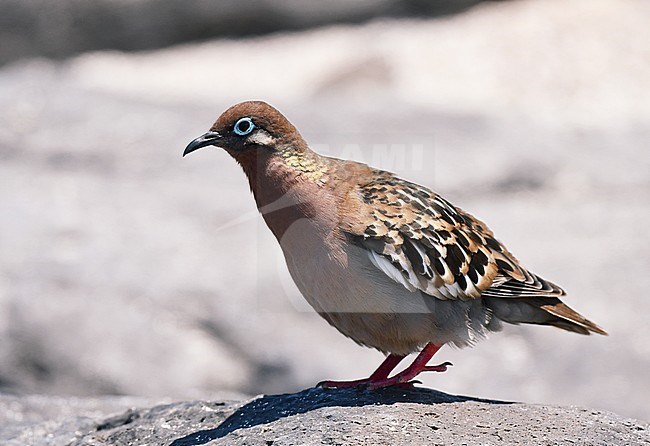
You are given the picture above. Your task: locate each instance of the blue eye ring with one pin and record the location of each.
(243, 127)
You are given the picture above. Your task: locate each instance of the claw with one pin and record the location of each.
(409, 384)
(437, 368)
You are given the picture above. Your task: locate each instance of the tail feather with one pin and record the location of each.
(571, 320)
(542, 311)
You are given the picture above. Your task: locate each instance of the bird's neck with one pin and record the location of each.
(290, 187)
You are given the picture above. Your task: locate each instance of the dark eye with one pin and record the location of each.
(243, 127)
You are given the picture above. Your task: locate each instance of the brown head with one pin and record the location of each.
(283, 173)
(248, 130)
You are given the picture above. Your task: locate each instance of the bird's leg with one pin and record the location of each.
(418, 366)
(378, 375)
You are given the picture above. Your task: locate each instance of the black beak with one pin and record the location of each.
(207, 139)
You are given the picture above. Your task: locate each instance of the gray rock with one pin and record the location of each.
(49, 420)
(331, 417)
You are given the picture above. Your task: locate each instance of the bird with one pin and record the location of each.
(389, 263)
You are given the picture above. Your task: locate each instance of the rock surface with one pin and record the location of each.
(315, 416)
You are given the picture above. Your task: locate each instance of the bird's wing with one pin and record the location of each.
(423, 242)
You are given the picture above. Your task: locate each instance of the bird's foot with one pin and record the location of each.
(361, 384)
(403, 379)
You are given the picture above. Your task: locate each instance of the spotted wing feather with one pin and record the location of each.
(422, 241)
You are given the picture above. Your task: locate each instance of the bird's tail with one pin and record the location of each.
(542, 311)
(568, 319)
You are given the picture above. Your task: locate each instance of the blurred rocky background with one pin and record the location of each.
(127, 270)
(66, 27)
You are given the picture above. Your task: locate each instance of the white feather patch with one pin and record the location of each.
(261, 138)
(389, 269)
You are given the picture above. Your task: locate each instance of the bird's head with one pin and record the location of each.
(247, 128)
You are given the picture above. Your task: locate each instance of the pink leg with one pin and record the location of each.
(380, 377)
(418, 366)
(381, 373)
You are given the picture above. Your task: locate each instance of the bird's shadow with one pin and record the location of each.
(269, 408)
